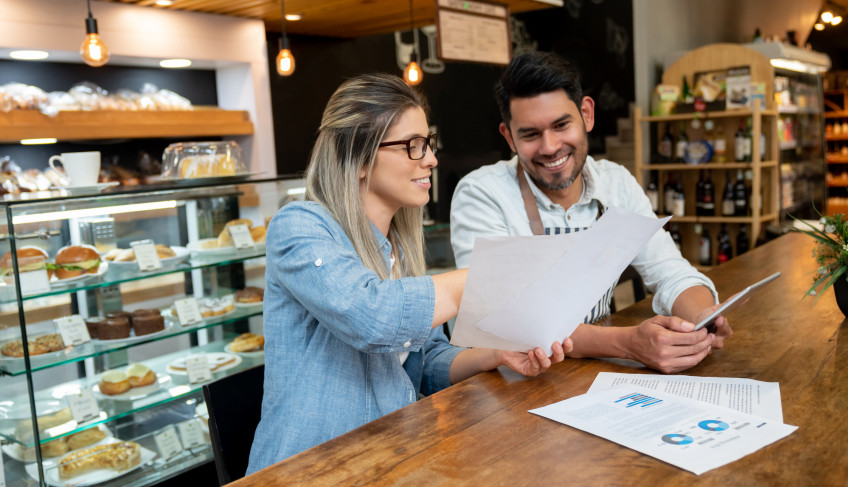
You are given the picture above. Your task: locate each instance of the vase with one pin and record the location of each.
(840, 290)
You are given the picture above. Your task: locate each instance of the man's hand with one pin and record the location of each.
(723, 329)
(535, 361)
(668, 344)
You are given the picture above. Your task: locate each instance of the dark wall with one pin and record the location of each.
(596, 36)
(196, 85)
(833, 40)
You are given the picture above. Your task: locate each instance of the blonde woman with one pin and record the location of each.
(352, 321)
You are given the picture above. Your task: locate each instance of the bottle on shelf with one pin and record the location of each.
(743, 242)
(676, 237)
(686, 92)
(749, 142)
(682, 142)
(668, 194)
(739, 143)
(679, 202)
(740, 195)
(705, 204)
(728, 202)
(653, 193)
(666, 149)
(725, 251)
(705, 247)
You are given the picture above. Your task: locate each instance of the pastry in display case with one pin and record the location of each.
(108, 353)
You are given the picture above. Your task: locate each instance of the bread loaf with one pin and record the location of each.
(119, 456)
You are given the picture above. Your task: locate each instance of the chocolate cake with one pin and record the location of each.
(146, 321)
(114, 328)
(93, 324)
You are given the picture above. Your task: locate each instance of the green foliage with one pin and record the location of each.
(830, 252)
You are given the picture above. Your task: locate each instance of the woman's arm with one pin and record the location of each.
(472, 361)
(449, 286)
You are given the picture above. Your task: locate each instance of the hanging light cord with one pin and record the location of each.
(284, 41)
(412, 26)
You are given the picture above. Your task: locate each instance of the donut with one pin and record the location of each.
(140, 375)
(114, 382)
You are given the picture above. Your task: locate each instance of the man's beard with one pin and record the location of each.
(560, 184)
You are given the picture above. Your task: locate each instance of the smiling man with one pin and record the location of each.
(551, 186)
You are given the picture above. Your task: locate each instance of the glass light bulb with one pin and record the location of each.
(819, 26)
(285, 63)
(93, 51)
(836, 20)
(827, 16)
(412, 74)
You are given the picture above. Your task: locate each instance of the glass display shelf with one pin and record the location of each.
(16, 366)
(140, 430)
(176, 189)
(127, 273)
(171, 386)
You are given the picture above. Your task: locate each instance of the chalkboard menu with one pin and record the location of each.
(473, 30)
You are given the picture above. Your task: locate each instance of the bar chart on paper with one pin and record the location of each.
(640, 400)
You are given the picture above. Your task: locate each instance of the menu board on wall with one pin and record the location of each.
(473, 30)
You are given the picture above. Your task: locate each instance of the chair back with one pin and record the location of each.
(235, 405)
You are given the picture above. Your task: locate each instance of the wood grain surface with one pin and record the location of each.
(479, 432)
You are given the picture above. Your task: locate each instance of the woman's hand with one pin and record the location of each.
(535, 361)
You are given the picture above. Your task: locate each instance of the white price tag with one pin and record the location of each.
(168, 443)
(197, 367)
(241, 236)
(188, 311)
(34, 282)
(73, 330)
(83, 405)
(145, 255)
(191, 432)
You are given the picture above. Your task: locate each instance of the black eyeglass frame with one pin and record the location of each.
(431, 143)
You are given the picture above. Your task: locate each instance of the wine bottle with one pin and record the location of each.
(749, 142)
(679, 203)
(705, 250)
(666, 149)
(668, 194)
(743, 242)
(728, 203)
(682, 142)
(653, 193)
(740, 196)
(699, 194)
(676, 237)
(708, 204)
(725, 251)
(739, 143)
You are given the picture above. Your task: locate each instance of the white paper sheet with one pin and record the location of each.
(743, 395)
(688, 434)
(527, 292)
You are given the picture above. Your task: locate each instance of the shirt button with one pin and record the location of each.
(407, 344)
(568, 217)
(319, 262)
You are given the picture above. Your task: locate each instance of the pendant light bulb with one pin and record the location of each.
(93, 50)
(285, 60)
(412, 73)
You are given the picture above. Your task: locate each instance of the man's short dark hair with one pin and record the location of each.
(534, 73)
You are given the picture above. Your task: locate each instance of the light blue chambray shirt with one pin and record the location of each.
(333, 331)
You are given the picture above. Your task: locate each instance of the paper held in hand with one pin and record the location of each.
(527, 292)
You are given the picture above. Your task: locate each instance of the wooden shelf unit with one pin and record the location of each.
(108, 124)
(764, 185)
(836, 113)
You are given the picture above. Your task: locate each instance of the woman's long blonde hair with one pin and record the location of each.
(355, 121)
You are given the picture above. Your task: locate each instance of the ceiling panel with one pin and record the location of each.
(332, 18)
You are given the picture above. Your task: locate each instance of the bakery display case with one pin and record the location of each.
(115, 308)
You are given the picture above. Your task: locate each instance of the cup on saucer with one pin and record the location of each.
(81, 168)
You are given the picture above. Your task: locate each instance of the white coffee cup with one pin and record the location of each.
(82, 168)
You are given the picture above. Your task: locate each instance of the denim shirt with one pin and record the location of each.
(333, 331)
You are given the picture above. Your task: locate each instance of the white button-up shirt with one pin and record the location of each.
(487, 203)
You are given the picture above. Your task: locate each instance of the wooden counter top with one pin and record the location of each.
(479, 432)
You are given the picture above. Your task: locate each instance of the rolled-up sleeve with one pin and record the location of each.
(317, 265)
(438, 355)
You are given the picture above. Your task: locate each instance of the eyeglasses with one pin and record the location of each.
(416, 147)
